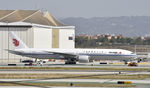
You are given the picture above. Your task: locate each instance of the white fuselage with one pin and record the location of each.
(81, 55)
(97, 54)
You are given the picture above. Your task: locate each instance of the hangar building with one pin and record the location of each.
(36, 29)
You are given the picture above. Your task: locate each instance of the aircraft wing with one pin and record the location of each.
(66, 55)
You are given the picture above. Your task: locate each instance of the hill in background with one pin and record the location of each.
(128, 26)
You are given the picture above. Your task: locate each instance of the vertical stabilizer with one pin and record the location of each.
(17, 43)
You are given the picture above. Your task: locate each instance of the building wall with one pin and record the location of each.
(24, 33)
(55, 38)
(42, 37)
(33, 37)
(64, 41)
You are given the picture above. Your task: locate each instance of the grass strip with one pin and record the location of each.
(70, 76)
(78, 68)
(65, 84)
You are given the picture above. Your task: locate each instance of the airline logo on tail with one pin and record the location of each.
(16, 42)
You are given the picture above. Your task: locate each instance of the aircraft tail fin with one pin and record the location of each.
(17, 43)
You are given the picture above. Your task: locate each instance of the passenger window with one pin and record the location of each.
(70, 38)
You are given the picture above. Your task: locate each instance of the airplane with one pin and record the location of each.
(71, 56)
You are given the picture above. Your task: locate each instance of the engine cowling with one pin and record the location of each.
(83, 59)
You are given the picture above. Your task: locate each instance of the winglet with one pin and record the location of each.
(17, 43)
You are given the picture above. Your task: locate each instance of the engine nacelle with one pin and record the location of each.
(83, 59)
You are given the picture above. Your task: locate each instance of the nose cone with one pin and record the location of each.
(133, 54)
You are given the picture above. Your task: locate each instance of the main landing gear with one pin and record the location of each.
(70, 61)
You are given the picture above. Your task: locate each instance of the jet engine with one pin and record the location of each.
(83, 59)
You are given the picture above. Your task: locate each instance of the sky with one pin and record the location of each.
(82, 8)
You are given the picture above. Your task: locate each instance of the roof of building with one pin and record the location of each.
(26, 24)
(29, 16)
